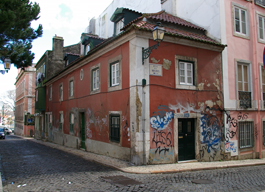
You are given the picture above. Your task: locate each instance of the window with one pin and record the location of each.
(243, 85)
(246, 131)
(115, 74)
(71, 122)
(260, 2)
(114, 127)
(95, 79)
(50, 121)
(71, 88)
(263, 132)
(60, 92)
(60, 121)
(50, 93)
(119, 25)
(185, 73)
(261, 28)
(240, 21)
(263, 85)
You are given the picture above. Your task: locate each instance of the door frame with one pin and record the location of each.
(197, 122)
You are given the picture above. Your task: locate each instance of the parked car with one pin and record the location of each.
(2, 133)
(13, 130)
(7, 131)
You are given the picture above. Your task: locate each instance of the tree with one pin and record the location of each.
(7, 102)
(16, 35)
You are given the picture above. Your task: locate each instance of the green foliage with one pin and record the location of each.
(16, 34)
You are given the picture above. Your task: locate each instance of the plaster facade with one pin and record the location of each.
(25, 100)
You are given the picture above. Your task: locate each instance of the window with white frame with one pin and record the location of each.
(71, 88)
(240, 20)
(261, 28)
(60, 121)
(185, 73)
(118, 26)
(50, 93)
(243, 85)
(60, 92)
(243, 77)
(263, 84)
(50, 120)
(115, 73)
(263, 132)
(71, 122)
(246, 134)
(95, 79)
(260, 2)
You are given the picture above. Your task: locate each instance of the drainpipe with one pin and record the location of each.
(143, 120)
(256, 72)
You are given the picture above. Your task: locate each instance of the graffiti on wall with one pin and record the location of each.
(231, 147)
(185, 109)
(210, 135)
(231, 125)
(161, 136)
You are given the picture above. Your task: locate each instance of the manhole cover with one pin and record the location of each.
(121, 180)
(202, 181)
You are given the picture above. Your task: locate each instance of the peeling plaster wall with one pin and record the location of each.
(203, 104)
(97, 107)
(138, 108)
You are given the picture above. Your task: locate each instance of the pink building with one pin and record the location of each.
(25, 102)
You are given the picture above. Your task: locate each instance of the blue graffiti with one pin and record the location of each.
(210, 133)
(161, 123)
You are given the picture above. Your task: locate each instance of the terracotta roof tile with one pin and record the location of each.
(166, 17)
(143, 25)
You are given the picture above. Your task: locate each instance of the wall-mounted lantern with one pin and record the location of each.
(158, 36)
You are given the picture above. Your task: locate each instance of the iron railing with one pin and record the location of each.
(244, 99)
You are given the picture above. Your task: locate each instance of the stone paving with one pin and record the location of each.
(32, 165)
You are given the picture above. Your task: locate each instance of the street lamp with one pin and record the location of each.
(7, 63)
(158, 36)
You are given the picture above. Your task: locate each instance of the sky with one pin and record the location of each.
(65, 18)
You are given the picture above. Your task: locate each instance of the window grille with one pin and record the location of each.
(246, 134)
(115, 128)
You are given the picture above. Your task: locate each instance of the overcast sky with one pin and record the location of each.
(65, 18)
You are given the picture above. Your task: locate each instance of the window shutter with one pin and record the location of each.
(263, 132)
(252, 131)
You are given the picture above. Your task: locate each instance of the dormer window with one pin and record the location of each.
(87, 49)
(119, 25)
(121, 17)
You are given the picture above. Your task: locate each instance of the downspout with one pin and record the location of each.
(143, 124)
(256, 69)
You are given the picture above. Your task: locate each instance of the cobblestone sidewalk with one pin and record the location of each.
(164, 168)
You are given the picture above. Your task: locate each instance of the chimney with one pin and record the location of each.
(57, 48)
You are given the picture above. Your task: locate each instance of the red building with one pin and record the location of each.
(162, 109)
(25, 102)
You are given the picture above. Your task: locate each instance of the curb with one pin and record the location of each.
(64, 148)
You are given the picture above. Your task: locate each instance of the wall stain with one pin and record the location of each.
(138, 108)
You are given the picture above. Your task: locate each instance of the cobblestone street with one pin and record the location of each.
(30, 166)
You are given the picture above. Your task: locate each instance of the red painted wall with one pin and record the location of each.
(163, 92)
(96, 106)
